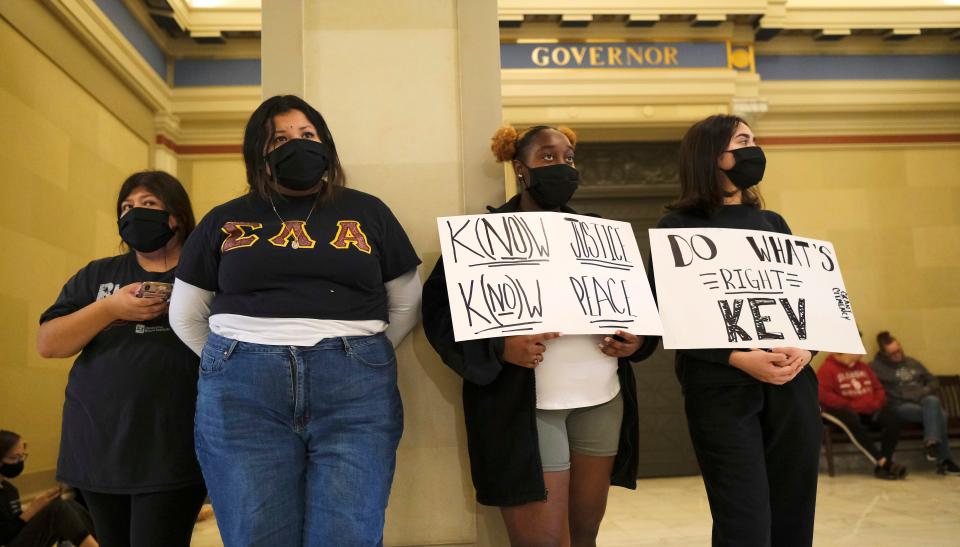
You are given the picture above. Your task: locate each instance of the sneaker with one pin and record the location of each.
(948, 467)
(899, 470)
(885, 472)
(930, 451)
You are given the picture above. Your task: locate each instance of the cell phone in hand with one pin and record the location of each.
(155, 289)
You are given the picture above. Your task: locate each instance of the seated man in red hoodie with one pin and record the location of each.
(852, 398)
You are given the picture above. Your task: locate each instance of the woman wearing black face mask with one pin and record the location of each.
(48, 519)
(127, 437)
(295, 296)
(551, 421)
(753, 415)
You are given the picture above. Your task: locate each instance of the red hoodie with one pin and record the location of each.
(853, 388)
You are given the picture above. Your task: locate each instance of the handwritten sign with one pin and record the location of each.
(527, 273)
(723, 288)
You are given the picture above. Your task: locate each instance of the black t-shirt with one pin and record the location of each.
(131, 394)
(10, 511)
(334, 267)
(711, 366)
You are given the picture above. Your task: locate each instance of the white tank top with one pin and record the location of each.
(575, 374)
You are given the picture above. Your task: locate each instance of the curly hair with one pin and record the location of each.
(507, 143)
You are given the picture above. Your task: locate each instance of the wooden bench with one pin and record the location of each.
(949, 394)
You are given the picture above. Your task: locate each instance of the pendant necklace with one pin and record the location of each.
(295, 244)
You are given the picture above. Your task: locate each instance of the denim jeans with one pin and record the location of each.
(298, 444)
(934, 420)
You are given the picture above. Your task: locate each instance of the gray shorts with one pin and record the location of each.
(592, 430)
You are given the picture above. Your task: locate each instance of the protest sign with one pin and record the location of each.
(528, 273)
(725, 288)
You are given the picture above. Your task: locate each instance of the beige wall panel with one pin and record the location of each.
(414, 130)
(66, 156)
(892, 214)
(213, 180)
(33, 20)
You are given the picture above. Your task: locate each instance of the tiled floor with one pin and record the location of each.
(852, 509)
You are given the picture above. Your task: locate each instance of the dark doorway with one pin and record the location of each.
(632, 181)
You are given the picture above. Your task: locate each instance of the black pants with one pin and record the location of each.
(858, 427)
(61, 520)
(758, 447)
(146, 520)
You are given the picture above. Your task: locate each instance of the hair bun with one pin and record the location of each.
(569, 134)
(504, 143)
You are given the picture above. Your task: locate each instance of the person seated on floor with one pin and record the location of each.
(912, 395)
(852, 398)
(48, 519)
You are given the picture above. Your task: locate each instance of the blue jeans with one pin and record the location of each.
(934, 420)
(298, 444)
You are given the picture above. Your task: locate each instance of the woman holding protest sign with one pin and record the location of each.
(753, 414)
(547, 431)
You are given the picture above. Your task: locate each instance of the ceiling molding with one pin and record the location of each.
(99, 33)
(213, 21)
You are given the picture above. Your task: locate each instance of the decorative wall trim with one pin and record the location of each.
(858, 139)
(108, 43)
(199, 149)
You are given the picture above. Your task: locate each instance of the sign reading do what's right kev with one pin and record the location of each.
(725, 288)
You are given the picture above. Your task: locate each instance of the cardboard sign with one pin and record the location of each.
(528, 273)
(723, 288)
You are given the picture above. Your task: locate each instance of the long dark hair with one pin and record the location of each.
(260, 132)
(701, 188)
(166, 187)
(8, 440)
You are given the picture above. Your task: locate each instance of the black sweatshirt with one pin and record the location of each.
(10, 511)
(711, 366)
(130, 396)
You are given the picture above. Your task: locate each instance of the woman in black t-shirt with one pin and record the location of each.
(48, 518)
(753, 415)
(127, 437)
(295, 296)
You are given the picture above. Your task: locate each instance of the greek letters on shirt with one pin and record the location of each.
(293, 234)
(333, 267)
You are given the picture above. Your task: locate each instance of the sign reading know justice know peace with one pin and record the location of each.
(526, 273)
(724, 288)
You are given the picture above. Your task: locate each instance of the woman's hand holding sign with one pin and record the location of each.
(627, 345)
(795, 356)
(526, 351)
(777, 366)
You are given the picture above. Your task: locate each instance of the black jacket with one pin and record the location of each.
(499, 403)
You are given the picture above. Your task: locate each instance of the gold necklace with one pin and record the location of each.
(294, 243)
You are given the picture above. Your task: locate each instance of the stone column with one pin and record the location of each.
(411, 91)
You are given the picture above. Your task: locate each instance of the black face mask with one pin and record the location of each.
(748, 170)
(299, 164)
(11, 470)
(552, 186)
(145, 230)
